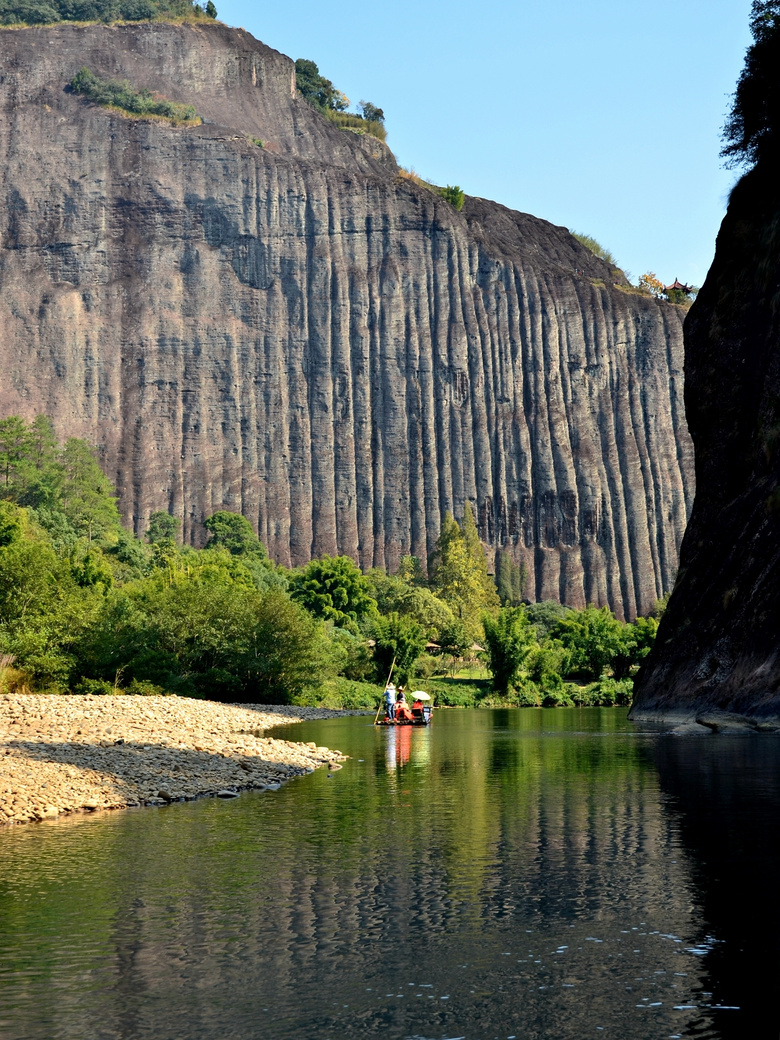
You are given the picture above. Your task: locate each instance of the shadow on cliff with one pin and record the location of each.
(725, 792)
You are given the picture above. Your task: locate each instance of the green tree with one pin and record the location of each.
(163, 526)
(88, 500)
(334, 589)
(316, 89)
(454, 195)
(393, 594)
(14, 449)
(458, 572)
(511, 579)
(211, 10)
(398, 639)
(371, 112)
(594, 638)
(752, 130)
(509, 640)
(233, 532)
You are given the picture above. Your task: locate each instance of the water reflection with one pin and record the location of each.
(725, 794)
(499, 874)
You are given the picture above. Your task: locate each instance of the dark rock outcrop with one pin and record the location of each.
(718, 646)
(300, 333)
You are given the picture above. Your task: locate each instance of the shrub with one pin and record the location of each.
(357, 124)
(118, 93)
(143, 688)
(41, 12)
(454, 195)
(94, 688)
(557, 699)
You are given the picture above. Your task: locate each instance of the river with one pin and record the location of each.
(556, 874)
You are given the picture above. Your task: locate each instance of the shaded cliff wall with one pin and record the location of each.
(718, 644)
(300, 334)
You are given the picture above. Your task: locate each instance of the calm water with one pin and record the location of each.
(528, 874)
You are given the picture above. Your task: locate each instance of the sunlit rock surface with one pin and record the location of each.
(299, 333)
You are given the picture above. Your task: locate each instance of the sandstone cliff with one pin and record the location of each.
(718, 645)
(298, 333)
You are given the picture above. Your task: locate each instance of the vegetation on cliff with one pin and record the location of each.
(84, 605)
(119, 94)
(333, 104)
(47, 12)
(752, 131)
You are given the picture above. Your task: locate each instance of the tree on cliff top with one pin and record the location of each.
(752, 130)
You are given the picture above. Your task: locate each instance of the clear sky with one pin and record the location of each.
(604, 116)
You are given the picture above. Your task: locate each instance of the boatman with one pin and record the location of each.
(390, 700)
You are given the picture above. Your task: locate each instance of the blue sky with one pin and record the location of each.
(603, 116)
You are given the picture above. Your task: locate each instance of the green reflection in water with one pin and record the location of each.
(489, 876)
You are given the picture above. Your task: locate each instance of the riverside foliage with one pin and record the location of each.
(87, 606)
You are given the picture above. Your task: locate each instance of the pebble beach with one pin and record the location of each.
(72, 754)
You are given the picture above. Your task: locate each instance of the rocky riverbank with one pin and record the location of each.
(71, 754)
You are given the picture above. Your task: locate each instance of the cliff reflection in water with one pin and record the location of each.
(501, 873)
(725, 792)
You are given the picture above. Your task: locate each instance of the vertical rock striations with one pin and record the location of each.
(299, 333)
(718, 645)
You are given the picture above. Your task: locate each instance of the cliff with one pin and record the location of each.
(299, 333)
(718, 645)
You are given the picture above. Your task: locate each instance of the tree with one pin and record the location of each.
(233, 532)
(650, 283)
(454, 195)
(458, 572)
(316, 89)
(511, 579)
(509, 639)
(371, 112)
(163, 526)
(398, 639)
(211, 10)
(333, 589)
(594, 637)
(88, 500)
(14, 447)
(752, 130)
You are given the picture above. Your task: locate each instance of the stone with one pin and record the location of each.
(225, 793)
(311, 297)
(717, 643)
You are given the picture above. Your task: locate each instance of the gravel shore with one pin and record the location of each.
(73, 753)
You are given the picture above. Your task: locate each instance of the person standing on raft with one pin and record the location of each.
(390, 701)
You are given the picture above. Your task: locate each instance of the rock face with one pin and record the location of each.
(300, 333)
(718, 645)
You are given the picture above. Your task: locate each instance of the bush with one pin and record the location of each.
(343, 693)
(118, 93)
(142, 688)
(557, 699)
(95, 688)
(357, 124)
(454, 195)
(42, 12)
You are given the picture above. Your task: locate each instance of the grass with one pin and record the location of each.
(357, 124)
(120, 96)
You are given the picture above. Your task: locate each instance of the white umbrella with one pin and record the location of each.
(420, 695)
